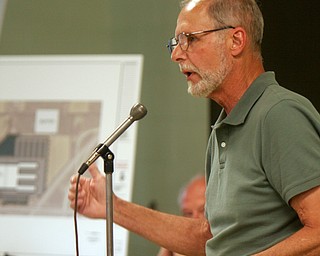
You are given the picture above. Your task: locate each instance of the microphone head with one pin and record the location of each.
(138, 111)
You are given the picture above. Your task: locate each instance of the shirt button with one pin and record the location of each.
(223, 144)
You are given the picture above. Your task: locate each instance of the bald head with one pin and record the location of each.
(192, 199)
(243, 13)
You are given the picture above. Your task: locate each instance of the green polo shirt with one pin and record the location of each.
(263, 153)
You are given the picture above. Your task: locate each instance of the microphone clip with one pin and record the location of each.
(105, 153)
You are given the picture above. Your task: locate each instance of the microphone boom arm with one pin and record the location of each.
(137, 112)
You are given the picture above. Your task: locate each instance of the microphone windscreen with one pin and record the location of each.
(138, 111)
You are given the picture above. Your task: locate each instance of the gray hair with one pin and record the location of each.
(244, 13)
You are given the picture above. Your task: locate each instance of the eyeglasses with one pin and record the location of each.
(184, 39)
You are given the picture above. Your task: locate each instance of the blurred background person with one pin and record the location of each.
(191, 202)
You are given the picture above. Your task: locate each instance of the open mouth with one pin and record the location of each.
(187, 73)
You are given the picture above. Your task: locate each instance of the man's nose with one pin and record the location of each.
(178, 54)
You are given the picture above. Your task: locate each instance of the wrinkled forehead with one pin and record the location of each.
(194, 16)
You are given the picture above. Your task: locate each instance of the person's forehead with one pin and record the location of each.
(195, 192)
(195, 18)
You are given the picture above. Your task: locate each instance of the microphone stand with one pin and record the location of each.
(137, 112)
(108, 158)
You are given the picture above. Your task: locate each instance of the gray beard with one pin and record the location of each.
(211, 80)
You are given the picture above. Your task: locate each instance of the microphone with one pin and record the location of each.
(137, 112)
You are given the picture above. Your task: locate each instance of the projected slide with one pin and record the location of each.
(53, 112)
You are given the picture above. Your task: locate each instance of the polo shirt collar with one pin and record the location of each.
(241, 110)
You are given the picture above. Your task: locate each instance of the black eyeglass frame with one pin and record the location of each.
(172, 45)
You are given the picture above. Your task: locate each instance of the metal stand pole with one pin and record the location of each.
(108, 169)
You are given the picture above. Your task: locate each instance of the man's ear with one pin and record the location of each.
(239, 40)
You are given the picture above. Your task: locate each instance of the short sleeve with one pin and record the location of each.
(291, 147)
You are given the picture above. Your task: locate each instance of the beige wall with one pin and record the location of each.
(172, 138)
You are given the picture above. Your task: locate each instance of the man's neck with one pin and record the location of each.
(236, 84)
